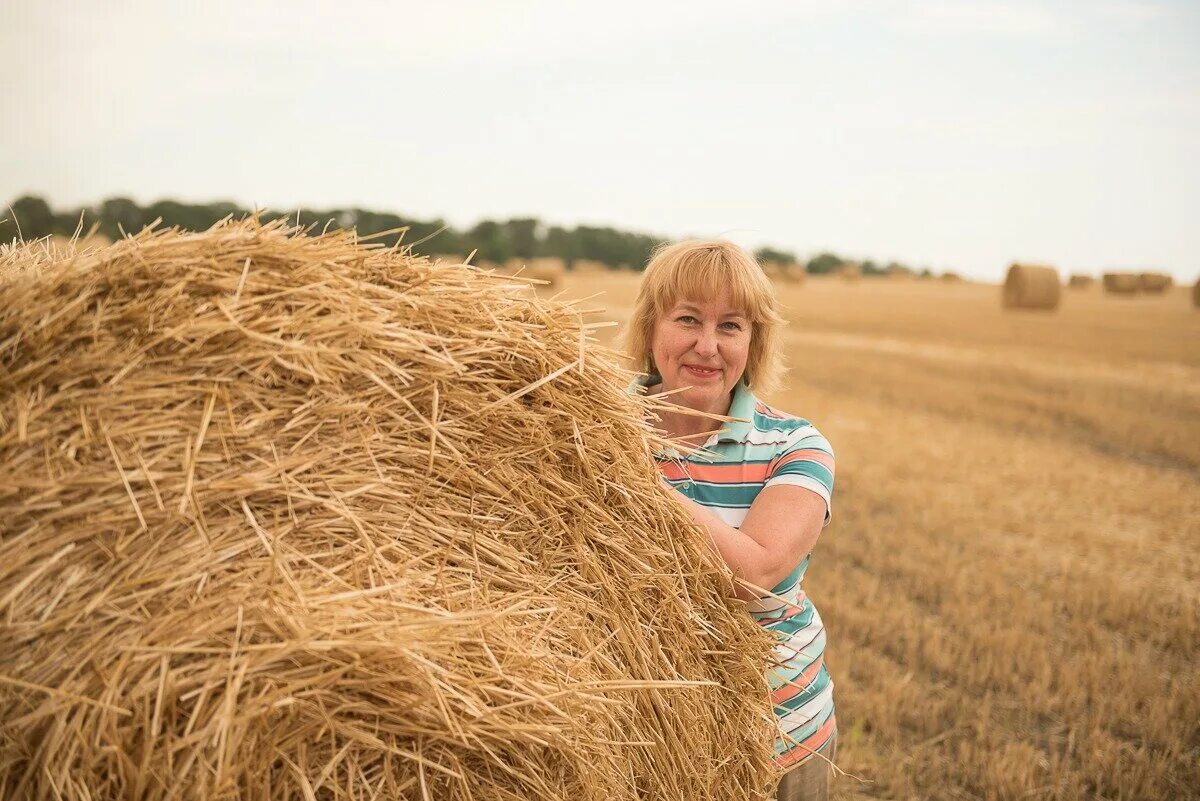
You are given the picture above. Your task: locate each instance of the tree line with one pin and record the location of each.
(31, 217)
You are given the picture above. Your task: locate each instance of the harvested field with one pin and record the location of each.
(1011, 581)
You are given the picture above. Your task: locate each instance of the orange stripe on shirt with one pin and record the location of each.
(672, 471)
(767, 411)
(807, 455)
(734, 473)
(814, 743)
(798, 684)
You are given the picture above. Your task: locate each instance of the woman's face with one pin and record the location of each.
(702, 344)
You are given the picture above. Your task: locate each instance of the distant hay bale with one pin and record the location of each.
(79, 244)
(793, 273)
(950, 277)
(589, 267)
(1122, 283)
(1155, 283)
(1080, 281)
(898, 272)
(546, 272)
(288, 517)
(784, 273)
(548, 269)
(849, 272)
(1196, 293)
(1028, 286)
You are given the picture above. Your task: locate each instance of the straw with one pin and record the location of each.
(288, 516)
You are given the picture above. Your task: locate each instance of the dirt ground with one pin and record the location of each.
(1011, 581)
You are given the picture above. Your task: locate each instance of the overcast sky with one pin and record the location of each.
(954, 135)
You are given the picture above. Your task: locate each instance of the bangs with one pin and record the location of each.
(705, 273)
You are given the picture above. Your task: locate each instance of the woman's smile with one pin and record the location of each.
(700, 348)
(702, 372)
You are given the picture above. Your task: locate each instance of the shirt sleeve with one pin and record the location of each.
(806, 461)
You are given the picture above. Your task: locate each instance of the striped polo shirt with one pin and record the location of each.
(765, 447)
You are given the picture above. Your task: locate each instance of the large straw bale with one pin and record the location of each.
(1081, 281)
(1122, 283)
(1155, 283)
(287, 517)
(850, 271)
(1031, 286)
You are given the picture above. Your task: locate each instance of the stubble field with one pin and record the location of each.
(1011, 581)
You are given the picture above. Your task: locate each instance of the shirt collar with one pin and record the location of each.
(741, 407)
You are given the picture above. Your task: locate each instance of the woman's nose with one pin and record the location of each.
(706, 344)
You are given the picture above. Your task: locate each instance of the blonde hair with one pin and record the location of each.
(702, 269)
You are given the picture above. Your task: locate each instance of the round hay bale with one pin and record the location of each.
(1028, 286)
(1080, 281)
(850, 272)
(86, 242)
(551, 270)
(295, 517)
(784, 273)
(1196, 293)
(1155, 283)
(951, 277)
(792, 273)
(589, 267)
(771, 269)
(542, 272)
(1122, 283)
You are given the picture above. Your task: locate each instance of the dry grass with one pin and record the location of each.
(286, 517)
(1012, 578)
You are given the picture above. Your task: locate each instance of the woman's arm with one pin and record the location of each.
(780, 529)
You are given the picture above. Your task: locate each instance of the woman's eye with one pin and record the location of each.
(686, 318)
(732, 326)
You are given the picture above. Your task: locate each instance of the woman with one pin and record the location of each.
(706, 330)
